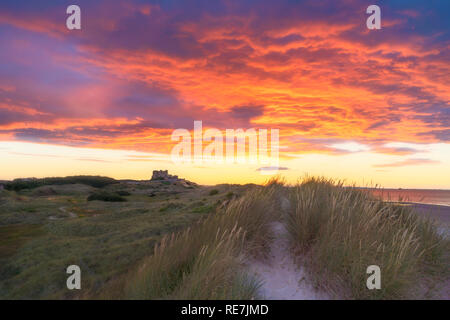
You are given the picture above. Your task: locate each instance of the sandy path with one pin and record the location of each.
(63, 210)
(282, 278)
(71, 214)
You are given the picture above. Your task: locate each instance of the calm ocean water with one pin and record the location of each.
(440, 197)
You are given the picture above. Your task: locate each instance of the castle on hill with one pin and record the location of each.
(163, 175)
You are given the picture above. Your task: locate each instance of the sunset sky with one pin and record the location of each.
(368, 106)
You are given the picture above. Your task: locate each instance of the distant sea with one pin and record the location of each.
(425, 196)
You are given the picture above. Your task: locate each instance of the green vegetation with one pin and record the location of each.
(13, 236)
(229, 195)
(106, 196)
(206, 261)
(201, 207)
(93, 181)
(344, 230)
(172, 242)
(171, 206)
(213, 192)
(123, 193)
(40, 235)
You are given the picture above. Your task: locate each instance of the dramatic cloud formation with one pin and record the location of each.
(139, 69)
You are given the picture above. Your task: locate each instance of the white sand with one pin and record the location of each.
(282, 278)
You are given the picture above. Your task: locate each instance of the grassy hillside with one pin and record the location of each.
(94, 181)
(183, 241)
(43, 232)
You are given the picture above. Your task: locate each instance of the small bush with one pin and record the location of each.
(229, 195)
(213, 192)
(104, 196)
(203, 209)
(123, 193)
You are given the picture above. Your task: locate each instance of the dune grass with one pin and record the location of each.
(128, 250)
(205, 261)
(341, 231)
(39, 239)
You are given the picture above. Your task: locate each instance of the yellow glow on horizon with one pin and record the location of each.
(366, 168)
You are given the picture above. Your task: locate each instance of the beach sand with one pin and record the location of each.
(439, 213)
(283, 279)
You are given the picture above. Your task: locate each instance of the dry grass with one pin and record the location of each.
(343, 230)
(205, 262)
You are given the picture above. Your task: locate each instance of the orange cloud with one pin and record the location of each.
(315, 79)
